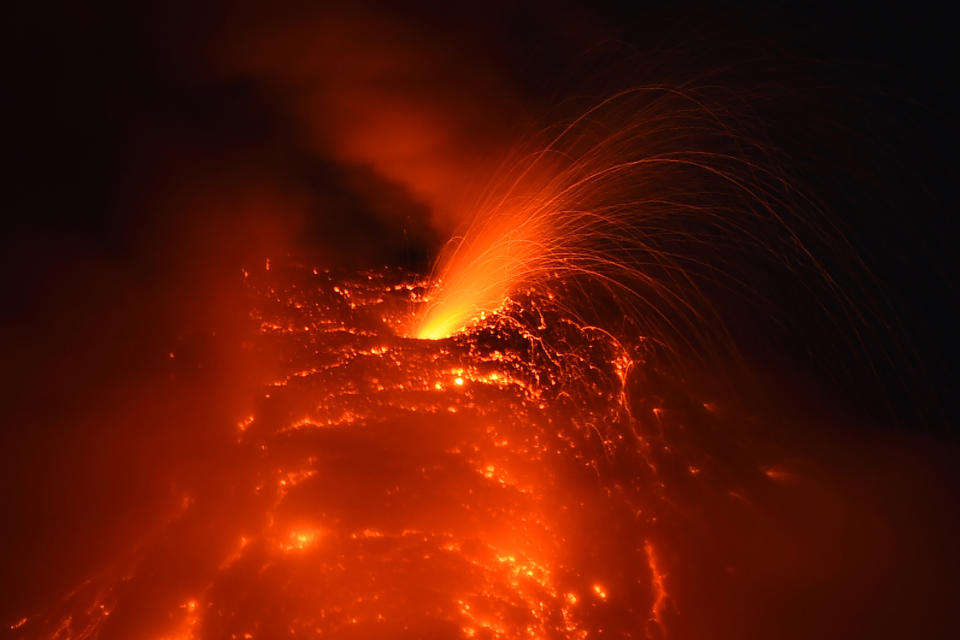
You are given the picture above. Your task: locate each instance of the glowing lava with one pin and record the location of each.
(386, 487)
(514, 481)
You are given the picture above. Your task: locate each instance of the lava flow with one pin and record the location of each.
(508, 482)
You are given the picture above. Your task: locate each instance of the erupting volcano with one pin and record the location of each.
(344, 346)
(469, 457)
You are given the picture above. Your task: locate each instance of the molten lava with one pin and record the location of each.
(493, 485)
(532, 477)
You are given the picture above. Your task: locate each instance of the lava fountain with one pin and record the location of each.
(645, 196)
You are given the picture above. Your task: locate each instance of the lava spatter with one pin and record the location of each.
(509, 482)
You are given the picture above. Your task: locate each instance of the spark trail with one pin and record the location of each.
(645, 197)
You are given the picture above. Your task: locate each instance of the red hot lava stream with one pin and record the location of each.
(532, 477)
(503, 483)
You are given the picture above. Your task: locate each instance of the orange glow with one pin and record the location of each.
(660, 594)
(520, 480)
(363, 365)
(462, 510)
(300, 540)
(778, 474)
(467, 455)
(479, 273)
